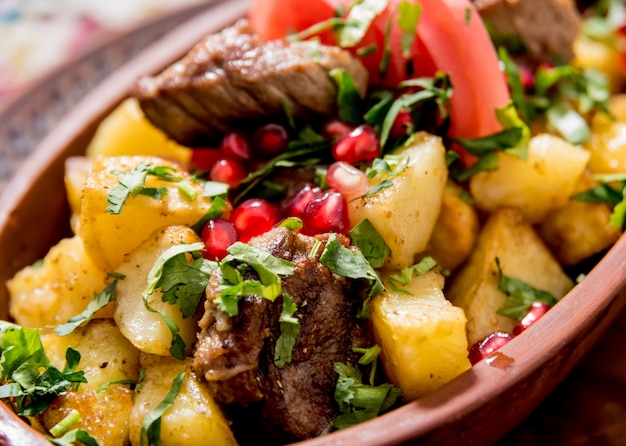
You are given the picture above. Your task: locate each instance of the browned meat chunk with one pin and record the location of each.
(234, 77)
(546, 27)
(236, 355)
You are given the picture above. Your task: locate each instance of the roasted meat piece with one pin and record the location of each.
(236, 355)
(234, 77)
(547, 28)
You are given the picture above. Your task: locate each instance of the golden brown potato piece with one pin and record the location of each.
(126, 131)
(608, 139)
(109, 237)
(422, 336)
(103, 414)
(456, 229)
(543, 182)
(146, 329)
(405, 212)
(106, 356)
(60, 287)
(77, 170)
(523, 255)
(193, 419)
(578, 230)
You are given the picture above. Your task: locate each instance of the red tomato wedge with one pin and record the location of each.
(450, 37)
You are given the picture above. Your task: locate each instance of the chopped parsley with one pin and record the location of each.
(26, 372)
(365, 236)
(150, 433)
(520, 296)
(405, 276)
(348, 98)
(360, 401)
(133, 183)
(409, 14)
(100, 301)
(612, 191)
(351, 263)
(562, 94)
(358, 21)
(289, 331)
(182, 284)
(240, 259)
(72, 437)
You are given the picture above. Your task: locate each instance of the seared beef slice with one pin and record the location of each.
(236, 355)
(234, 77)
(547, 28)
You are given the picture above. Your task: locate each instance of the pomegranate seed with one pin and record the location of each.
(334, 128)
(535, 311)
(346, 179)
(294, 206)
(361, 144)
(326, 213)
(526, 77)
(229, 171)
(402, 124)
(488, 345)
(271, 140)
(217, 236)
(254, 217)
(236, 146)
(204, 159)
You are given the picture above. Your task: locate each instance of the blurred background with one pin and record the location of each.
(38, 35)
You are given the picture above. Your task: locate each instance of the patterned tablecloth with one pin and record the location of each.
(37, 35)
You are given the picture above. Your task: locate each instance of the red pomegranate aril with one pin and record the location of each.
(295, 205)
(488, 345)
(254, 217)
(334, 128)
(326, 213)
(271, 140)
(236, 146)
(217, 236)
(362, 144)
(401, 125)
(229, 171)
(535, 311)
(204, 159)
(346, 179)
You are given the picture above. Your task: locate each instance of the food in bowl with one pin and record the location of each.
(261, 263)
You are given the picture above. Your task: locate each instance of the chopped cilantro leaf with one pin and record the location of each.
(353, 264)
(348, 97)
(27, 373)
(358, 21)
(72, 437)
(100, 301)
(289, 330)
(240, 257)
(520, 296)
(292, 223)
(133, 183)
(150, 433)
(359, 402)
(181, 284)
(405, 276)
(218, 205)
(409, 14)
(371, 244)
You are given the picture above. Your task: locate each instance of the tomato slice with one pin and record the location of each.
(450, 37)
(275, 19)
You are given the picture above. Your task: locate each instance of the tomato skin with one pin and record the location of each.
(450, 37)
(275, 19)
